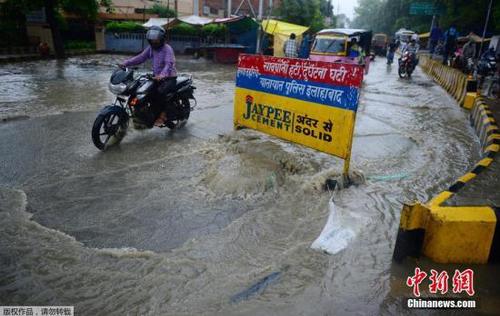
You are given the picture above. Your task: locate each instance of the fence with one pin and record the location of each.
(136, 42)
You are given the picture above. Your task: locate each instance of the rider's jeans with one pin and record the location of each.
(160, 99)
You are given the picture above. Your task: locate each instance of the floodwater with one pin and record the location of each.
(206, 220)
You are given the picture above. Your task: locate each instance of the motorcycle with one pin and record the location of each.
(469, 66)
(406, 65)
(487, 66)
(134, 99)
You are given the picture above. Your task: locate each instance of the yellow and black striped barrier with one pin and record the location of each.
(455, 234)
(451, 79)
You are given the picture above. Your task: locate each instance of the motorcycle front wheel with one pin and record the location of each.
(109, 128)
(409, 71)
(402, 71)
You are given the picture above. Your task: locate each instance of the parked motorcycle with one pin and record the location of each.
(406, 65)
(469, 66)
(487, 66)
(486, 69)
(134, 99)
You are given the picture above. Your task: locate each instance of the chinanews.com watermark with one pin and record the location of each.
(462, 283)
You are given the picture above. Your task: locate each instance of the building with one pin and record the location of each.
(132, 7)
(218, 8)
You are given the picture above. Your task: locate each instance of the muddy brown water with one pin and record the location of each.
(184, 222)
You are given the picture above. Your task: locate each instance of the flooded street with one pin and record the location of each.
(207, 220)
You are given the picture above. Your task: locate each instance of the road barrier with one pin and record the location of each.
(455, 234)
(451, 79)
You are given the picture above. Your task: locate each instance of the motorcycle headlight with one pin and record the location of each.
(117, 88)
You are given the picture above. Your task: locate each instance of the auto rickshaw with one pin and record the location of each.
(337, 46)
(379, 44)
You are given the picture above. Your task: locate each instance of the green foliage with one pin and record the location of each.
(79, 45)
(63, 24)
(214, 30)
(306, 12)
(389, 15)
(185, 29)
(84, 8)
(126, 26)
(326, 8)
(162, 11)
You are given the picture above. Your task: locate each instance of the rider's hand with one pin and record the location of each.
(122, 66)
(158, 78)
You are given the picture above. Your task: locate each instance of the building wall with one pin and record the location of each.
(40, 32)
(184, 7)
(218, 7)
(100, 43)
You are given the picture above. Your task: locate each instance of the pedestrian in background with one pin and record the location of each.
(469, 49)
(305, 46)
(391, 49)
(450, 43)
(290, 47)
(436, 35)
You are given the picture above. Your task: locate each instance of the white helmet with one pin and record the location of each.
(156, 33)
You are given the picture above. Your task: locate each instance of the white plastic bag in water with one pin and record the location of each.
(333, 237)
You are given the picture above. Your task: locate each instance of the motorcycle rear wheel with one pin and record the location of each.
(180, 123)
(109, 129)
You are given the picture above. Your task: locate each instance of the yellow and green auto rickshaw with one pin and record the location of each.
(349, 46)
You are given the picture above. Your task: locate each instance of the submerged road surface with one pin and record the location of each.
(205, 220)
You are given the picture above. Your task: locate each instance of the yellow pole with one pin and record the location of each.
(347, 160)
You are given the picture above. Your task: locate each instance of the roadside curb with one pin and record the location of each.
(455, 234)
(23, 58)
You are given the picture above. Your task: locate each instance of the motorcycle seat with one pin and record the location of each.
(182, 80)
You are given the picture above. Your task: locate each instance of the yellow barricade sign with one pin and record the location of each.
(307, 102)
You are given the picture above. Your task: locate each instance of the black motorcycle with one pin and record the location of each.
(134, 99)
(487, 66)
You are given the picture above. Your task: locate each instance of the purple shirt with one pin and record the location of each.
(163, 60)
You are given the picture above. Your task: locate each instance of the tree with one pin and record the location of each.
(342, 21)
(389, 15)
(162, 11)
(85, 8)
(310, 13)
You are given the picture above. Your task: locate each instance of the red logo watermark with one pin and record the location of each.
(461, 282)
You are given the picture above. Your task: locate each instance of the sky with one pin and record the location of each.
(345, 6)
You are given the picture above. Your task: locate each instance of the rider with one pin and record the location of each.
(412, 48)
(164, 72)
(356, 51)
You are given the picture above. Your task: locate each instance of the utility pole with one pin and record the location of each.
(259, 35)
(432, 26)
(485, 27)
(143, 21)
(229, 7)
(196, 7)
